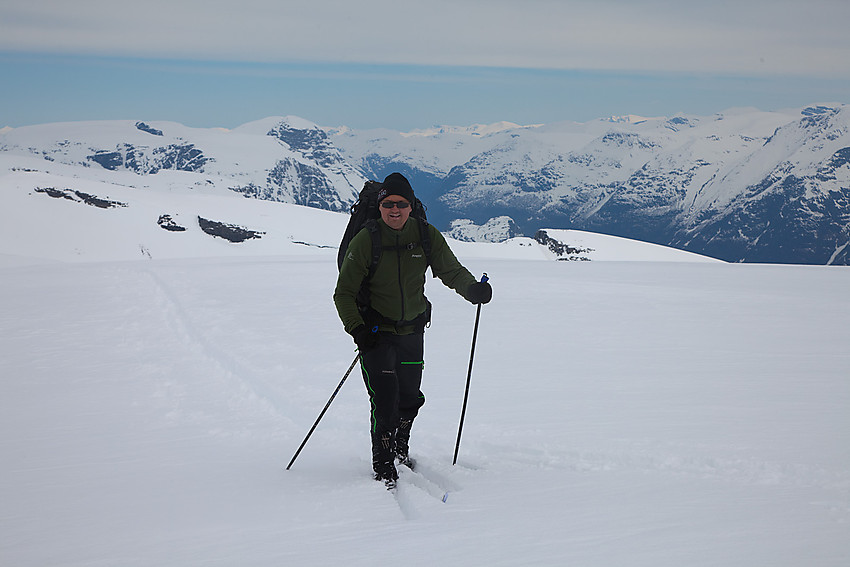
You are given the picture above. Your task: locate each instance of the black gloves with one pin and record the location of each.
(479, 292)
(365, 338)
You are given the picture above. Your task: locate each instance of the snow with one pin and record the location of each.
(693, 168)
(235, 158)
(595, 246)
(474, 129)
(262, 127)
(497, 229)
(59, 229)
(632, 119)
(690, 167)
(641, 413)
(434, 151)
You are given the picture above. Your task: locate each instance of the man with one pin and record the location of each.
(389, 331)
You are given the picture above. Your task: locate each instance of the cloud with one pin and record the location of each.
(746, 37)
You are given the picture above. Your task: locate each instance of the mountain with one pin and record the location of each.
(285, 159)
(497, 229)
(116, 190)
(742, 185)
(57, 217)
(792, 201)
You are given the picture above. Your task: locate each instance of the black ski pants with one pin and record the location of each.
(392, 372)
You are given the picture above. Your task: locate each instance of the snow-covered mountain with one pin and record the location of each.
(280, 159)
(59, 217)
(742, 185)
(497, 229)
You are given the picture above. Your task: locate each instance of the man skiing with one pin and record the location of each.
(388, 321)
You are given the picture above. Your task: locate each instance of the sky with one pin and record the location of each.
(406, 65)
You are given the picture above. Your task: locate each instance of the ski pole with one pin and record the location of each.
(484, 278)
(321, 415)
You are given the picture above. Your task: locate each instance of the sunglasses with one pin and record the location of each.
(391, 204)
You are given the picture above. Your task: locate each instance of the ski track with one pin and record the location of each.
(650, 459)
(241, 378)
(419, 495)
(422, 494)
(435, 478)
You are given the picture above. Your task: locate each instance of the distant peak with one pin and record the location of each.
(471, 130)
(631, 119)
(264, 125)
(820, 109)
(298, 123)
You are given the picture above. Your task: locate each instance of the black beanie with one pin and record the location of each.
(396, 184)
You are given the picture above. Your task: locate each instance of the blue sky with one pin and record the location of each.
(405, 65)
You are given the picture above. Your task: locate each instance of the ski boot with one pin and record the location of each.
(383, 465)
(402, 443)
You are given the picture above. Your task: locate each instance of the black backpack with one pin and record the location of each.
(365, 215)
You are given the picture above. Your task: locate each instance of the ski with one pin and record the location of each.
(423, 482)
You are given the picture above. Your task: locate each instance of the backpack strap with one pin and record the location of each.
(377, 246)
(363, 294)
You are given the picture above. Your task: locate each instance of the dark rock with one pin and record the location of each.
(107, 160)
(144, 161)
(55, 193)
(562, 250)
(230, 232)
(168, 223)
(80, 197)
(145, 128)
(95, 201)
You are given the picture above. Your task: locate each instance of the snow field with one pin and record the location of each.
(621, 413)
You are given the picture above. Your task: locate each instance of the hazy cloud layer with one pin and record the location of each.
(748, 37)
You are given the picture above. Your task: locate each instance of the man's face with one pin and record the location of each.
(396, 216)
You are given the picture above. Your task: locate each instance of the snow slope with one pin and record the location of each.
(604, 247)
(44, 216)
(620, 413)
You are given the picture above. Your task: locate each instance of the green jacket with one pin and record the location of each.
(397, 290)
